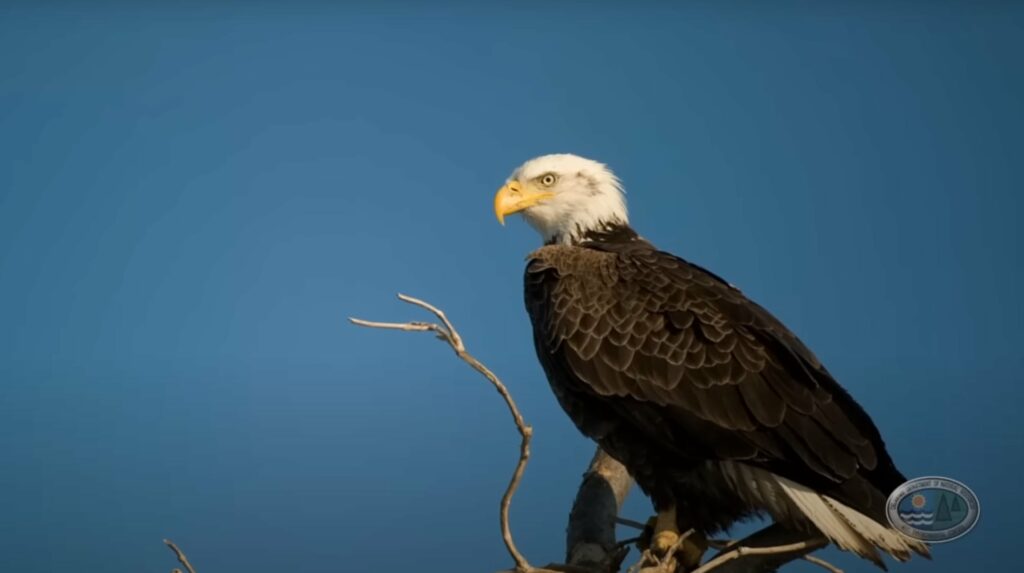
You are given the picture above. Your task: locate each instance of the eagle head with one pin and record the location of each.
(563, 197)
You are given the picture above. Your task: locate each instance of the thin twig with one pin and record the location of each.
(722, 543)
(451, 336)
(648, 559)
(667, 560)
(629, 541)
(742, 551)
(180, 555)
(822, 563)
(630, 523)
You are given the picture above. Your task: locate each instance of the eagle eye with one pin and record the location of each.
(548, 179)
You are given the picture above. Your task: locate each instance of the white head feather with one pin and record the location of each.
(587, 197)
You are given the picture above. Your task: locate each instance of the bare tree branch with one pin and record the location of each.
(180, 555)
(448, 333)
(590, 540)
(822, 563)
(591, 546)
(763, 551)
(630, 523)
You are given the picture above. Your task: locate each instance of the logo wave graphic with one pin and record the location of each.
(918, 517)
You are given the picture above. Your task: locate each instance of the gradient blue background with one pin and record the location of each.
(193, 199)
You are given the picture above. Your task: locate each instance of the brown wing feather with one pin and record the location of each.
(628, 321)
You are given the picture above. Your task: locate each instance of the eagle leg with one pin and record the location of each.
(666, 531)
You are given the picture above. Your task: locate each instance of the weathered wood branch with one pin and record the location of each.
(763, 551)
(590, 539)
(181, 557)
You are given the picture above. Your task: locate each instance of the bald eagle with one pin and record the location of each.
(717, 410)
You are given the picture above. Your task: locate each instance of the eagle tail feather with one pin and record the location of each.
(848, 528)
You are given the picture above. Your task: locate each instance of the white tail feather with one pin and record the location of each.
(795, 504)
(815, 509)
(885, 538)
(847, 527)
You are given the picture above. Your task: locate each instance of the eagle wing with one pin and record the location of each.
(710, 373)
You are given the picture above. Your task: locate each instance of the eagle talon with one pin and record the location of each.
(663, 542)
(662, 536)
(666, 531)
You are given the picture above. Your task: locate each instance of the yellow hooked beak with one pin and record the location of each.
(513, 198)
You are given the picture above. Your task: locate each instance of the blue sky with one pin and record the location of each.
(194, 197)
